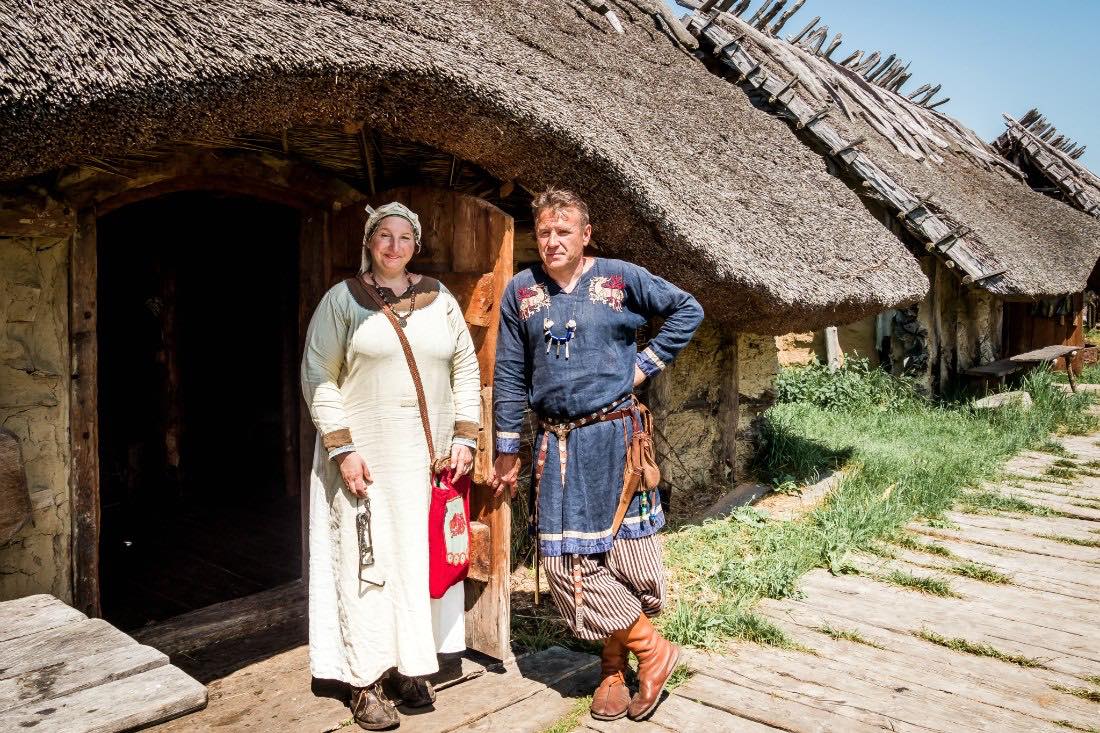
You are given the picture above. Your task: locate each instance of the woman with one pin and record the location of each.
(366, 620)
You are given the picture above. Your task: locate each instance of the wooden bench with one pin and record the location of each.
(1003, 367)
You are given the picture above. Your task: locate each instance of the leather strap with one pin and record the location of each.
(373, 293)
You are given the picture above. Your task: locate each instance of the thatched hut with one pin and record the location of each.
(172, 165)
(985, 240)
(1051, 163)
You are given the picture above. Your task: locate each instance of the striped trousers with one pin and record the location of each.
(615, 587)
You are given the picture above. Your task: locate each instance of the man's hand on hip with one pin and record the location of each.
(505, 473)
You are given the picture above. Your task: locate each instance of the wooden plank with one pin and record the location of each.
(540, 711)
(881, 699)
(58, 676)
(228, 620)
(771, 708)
(313, 259)
(84, 414)
(938, 676)
(679, 713)
(33, 614)
(908, 611)
(465, 704)
(84, 637)
(481, 560)
(270, 695)
(137, 700)
(1083, 529)
(26, 216)
(1012, 541)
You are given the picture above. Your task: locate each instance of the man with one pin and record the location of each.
(567, 348)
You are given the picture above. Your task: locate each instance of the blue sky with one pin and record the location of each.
(991, 56)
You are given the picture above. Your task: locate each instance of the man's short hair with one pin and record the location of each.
(557, 199)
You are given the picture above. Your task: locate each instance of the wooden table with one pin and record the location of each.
(63, 671)
(1003, 367)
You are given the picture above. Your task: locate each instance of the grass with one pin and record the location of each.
(920, 583)
(980, 650)
(1092, 679)
(572, 719)
(679, 676)
(1067, 540)
(992, 501)
(983, 573)
(905, 458)
(847, 635)
(1082, 692)
(1074, 726)
(1058, 472)
(1065, 463)
(910, 542)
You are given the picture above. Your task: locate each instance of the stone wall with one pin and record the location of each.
(34, 404)
(706, 407)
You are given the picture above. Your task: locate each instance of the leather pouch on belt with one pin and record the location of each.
(642, 472)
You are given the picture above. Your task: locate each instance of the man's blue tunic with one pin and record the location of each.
(609, 303)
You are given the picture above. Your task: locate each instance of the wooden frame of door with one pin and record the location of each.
(84, 413)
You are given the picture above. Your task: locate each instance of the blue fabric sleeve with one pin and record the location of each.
(509, 382)
(652, 297)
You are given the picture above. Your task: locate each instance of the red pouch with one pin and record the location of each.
(448, 532)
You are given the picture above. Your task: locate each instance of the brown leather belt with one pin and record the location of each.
(562, 430)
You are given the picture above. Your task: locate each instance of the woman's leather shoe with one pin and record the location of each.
(612, 697)
(413, 692)
(372, 710)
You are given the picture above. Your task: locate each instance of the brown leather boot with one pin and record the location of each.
(657, 658)
(612, 697)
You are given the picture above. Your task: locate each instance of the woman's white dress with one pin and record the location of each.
(354, 376)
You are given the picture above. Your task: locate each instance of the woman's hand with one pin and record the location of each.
(639, 375)
(461, 460)
(355, 473)
(505, 473)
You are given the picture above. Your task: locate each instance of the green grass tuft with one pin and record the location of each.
(1066, 540)
(571, 720)
(1092, 679)
(1082, 692)
(1065, 463)
(1074, 726)
(1063, 473)
(920, 583)
(983, 573)
(847, 635)
(909, 542)
(986, 501)
(980, 650)
(679, 676)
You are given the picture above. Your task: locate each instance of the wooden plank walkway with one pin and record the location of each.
(62, 671)
(888, 675)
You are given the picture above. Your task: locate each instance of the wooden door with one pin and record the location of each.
(467, 244)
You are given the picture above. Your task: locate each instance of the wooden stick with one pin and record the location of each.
(785, 17)
(809, 26)
(769, 16)
(945, 100)
(760, 11)
(834, 45)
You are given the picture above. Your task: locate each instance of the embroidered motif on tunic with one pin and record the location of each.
(611, 291)
(532, 299)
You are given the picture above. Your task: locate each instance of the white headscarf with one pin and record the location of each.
(375, 217)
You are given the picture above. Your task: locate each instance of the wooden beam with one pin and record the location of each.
(929, 228)
(84, 415)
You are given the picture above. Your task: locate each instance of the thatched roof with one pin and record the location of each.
(683, 174)
(1050, 161)
(951, 190)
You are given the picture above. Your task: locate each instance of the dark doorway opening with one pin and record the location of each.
(198, 403)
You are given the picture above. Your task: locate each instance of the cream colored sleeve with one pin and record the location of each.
(465, 377)
(323, 365)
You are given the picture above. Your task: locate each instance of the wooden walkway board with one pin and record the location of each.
(61, 671)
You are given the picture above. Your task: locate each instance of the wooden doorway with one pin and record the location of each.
(197, 403)
(467, 244)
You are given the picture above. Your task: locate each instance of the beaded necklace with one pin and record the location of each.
(402, 318)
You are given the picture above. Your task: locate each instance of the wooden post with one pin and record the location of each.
(834, 357)
(83, 415)
(1069, 370)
